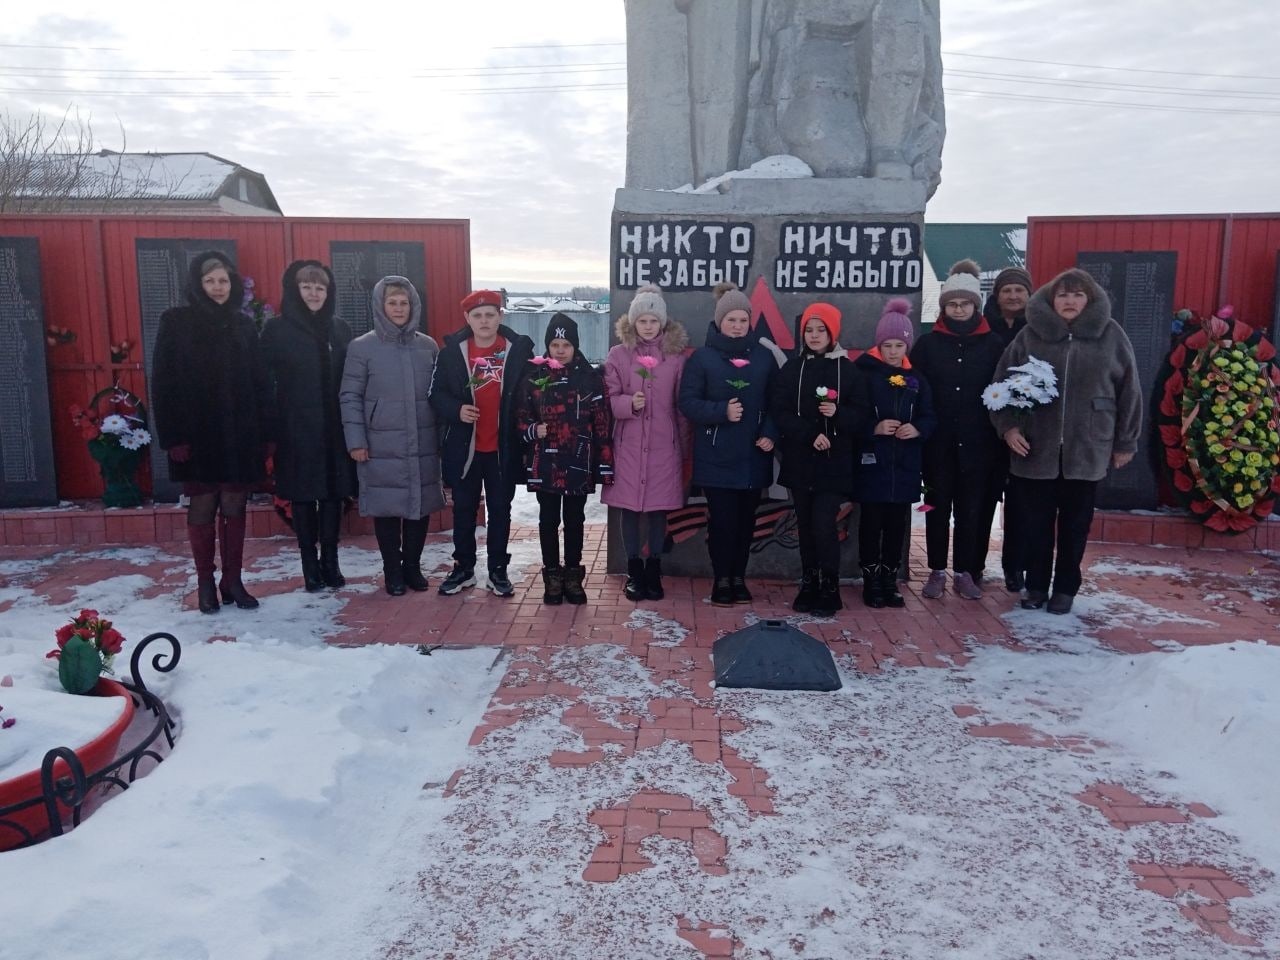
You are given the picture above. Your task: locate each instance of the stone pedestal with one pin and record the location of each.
(786, 243)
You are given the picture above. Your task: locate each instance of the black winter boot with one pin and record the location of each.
(387, 530)
(653, 579)
(635, 588)
(803, 603)
(872, 592)
(415, 537)
(573, 577)
(330, 523)
(306, 528)
(889, 587)
(722, 592)
(827, 599)
(553, 586)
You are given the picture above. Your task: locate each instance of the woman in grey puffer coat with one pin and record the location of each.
(391, 430)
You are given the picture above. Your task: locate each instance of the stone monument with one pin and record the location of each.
(787, 146)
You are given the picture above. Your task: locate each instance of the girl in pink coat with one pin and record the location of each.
(642, 379)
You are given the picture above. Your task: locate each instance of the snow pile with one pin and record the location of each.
(275, 823)
(778, 167)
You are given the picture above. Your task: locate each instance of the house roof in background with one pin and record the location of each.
(993, 245)
(146, 176)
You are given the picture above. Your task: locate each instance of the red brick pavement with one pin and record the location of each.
(1237, 593)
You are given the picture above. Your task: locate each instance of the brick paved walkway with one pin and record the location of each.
(592, 691)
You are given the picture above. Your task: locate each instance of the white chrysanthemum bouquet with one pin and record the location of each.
(1032, 384)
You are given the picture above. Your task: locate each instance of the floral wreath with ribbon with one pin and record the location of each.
(1218, 416)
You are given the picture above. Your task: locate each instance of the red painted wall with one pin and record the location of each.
(1222, 258)
(89, 277)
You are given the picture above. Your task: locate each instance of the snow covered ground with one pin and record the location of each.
(304, 811)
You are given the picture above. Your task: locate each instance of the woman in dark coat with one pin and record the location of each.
(964, 460)
(1062, 449)
(813, 407)
(725, 393)
(305, 348)
(894, 410)
(390, 430)
(211, 399)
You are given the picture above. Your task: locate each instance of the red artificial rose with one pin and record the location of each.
(64, 633)
(87, 615)
(84, 633)
(1171, 436)
(111, 642)
(1175, 458)
(1183, 482)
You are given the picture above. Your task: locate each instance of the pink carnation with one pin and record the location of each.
(537, 361)
(739, 362)
(647, 362)
(554, 364)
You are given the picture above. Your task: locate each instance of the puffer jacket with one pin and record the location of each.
(305, 354)
(887, 469)
(649, 446)
(577, 452)
(795, 410)
(385, 411)
(725, 454)
(1098, 411)
(209, 386)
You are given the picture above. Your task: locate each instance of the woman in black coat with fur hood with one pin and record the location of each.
(211, 400)
(305, 349)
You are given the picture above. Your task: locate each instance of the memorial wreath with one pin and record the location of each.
(1218, 420)
(114, 424)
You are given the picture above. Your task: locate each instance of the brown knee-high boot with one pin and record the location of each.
(231, 533)
(203, 541)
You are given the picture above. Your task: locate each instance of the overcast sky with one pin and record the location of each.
(513, 114)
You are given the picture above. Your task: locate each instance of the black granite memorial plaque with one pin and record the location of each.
(826, 256)
(358, 265)
(162, 280)
(27, 476)
(1140, 284)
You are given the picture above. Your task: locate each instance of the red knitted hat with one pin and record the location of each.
(481, 298)
(828, 314)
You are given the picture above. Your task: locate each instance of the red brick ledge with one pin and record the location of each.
(87, 523)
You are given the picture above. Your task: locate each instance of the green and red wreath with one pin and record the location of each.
(1219, 421)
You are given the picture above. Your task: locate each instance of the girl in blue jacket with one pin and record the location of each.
(725, 395)
(894, 415)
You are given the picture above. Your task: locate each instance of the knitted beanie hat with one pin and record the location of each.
(962, 284)
(1012, 275)
(562, 327)
(895, 322)
(826, 313)
(732, 299)
(648, 302)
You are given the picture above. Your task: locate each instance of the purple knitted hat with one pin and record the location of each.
(895, 322)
